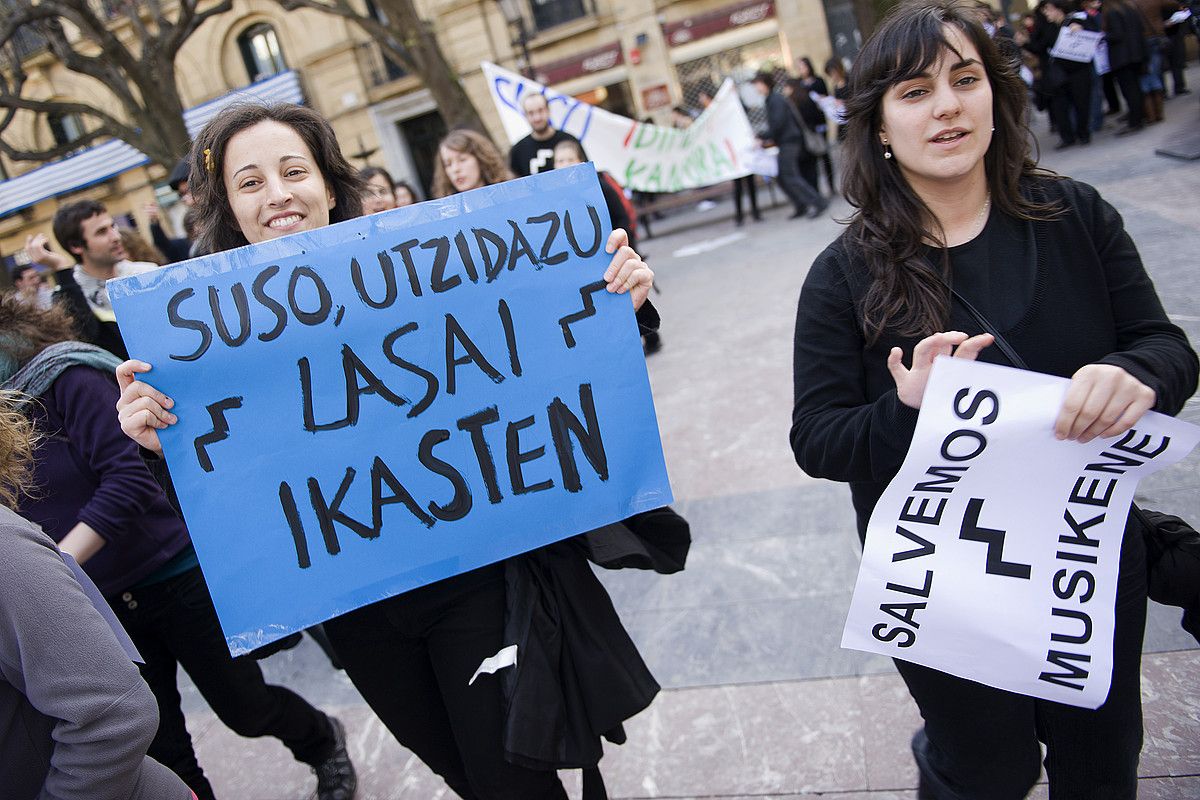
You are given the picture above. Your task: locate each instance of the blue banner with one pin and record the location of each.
(393, 400)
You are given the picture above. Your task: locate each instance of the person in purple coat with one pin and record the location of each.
(95, 496)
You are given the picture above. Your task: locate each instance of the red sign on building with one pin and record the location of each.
(703, 25)
(598, 60)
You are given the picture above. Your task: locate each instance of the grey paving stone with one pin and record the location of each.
(749, 642)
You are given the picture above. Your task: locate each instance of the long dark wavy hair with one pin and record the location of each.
(217, 229)
(907, 293)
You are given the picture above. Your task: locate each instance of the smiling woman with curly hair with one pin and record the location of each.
(467, 160)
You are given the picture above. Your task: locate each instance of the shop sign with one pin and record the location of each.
(656, 97)
(714, 22)
(597, 60)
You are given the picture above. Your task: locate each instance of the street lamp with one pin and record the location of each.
(514, 15)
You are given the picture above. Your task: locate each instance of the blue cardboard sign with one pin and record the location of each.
(393, 400)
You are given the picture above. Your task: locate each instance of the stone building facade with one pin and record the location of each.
(635, 57)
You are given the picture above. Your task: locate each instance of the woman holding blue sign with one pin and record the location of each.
(262, 172)
(947, 195)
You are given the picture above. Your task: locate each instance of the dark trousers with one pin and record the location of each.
(173, 624)
(745, 185)
(827, 165)
(981, 743)
(411, 657)
(799, 191)
(1128, 78)
(1177, 60)
(810, 170)
(1109, 85)
(1071, 106)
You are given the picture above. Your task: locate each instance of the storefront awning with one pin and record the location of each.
(107, 160)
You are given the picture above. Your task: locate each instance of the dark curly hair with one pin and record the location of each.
(217, 229)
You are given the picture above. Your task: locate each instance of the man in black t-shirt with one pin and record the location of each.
(535, 153)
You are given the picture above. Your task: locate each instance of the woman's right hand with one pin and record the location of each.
(910, 381)
(142, 410)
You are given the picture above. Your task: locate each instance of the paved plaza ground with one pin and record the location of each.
(759, 701)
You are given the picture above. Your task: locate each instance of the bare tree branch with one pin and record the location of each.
(410, 41)
(142, 104)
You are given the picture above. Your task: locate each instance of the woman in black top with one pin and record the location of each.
(938, 167)
(273, 170)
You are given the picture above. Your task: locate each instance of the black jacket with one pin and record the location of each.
(578, 675)
(782, 127)
(1126, 36)
(1093, 303)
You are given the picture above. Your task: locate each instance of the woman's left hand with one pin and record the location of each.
(1102, 400)
(627, 272)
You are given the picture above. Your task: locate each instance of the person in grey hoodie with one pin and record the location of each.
(76, 717)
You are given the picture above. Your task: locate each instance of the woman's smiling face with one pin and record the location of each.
(273, 182)
(939, 124)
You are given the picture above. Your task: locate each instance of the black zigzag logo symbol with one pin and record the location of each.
(588, 310)
(220, 431)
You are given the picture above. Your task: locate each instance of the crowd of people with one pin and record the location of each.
(1143, 41)
(957, 241)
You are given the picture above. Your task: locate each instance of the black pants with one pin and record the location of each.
(411, 658)
(810, 170)
(173, 624)
(1177, 60)
(745, 185)
(1071, 106)
(1128, 78)
(1109, 87)
(799, 191)
(981, 743)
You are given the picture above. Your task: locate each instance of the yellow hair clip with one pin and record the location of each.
(208, 160)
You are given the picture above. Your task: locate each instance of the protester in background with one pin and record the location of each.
(139, 249)
(1125, 34)
(87, 231)
(1153, 89)
(535, 153)
(815, 147)
(620, 214)
(379, 192)
(836, 71)
(405, 196)
(1068, 83)
(411, 656)
(801, 92)
(806, 73)
(783, 129)
(76, 718)
(468, 160)
(620, 210)
(173, 250)
(681, 118)
(1176, 54)
(30, 286)
(943, 200)
(96, 498)
(744, 185)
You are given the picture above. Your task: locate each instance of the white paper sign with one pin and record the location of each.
(1075, 45)
(993, 554)
(1102, 64)
(649, 158)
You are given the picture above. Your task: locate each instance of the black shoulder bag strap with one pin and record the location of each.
(1002, 344)
(1015, 359)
